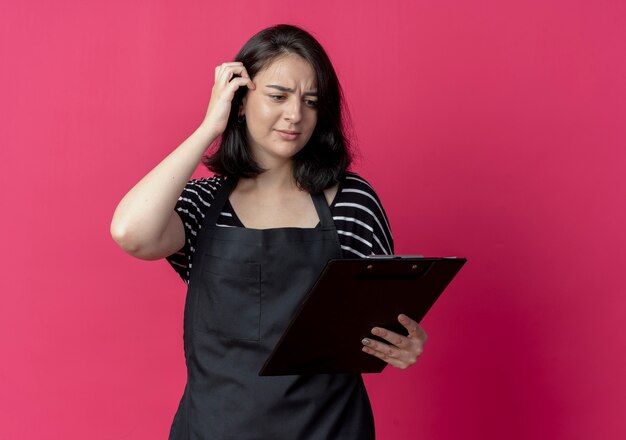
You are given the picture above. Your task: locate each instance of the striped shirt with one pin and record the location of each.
(358, 214)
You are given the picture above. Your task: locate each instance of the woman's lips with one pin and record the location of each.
(288, 135)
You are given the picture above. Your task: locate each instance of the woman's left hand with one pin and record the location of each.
(402, 351)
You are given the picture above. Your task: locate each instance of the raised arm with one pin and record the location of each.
(145, 224)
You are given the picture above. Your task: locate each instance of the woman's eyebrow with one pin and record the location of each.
(287, 89)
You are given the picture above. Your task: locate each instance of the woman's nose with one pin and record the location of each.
(293, 110)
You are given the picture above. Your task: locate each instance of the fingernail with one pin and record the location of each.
(365, 341)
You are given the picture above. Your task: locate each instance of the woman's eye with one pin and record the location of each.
(277, 97)
(310, 102)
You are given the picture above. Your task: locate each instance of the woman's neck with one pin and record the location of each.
(278, 177)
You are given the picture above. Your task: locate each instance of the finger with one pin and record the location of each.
(408, 356)
(228, 70)
(225, 75)
(388, 350)
(414, 329)
(383, 356)
(229, 79)
(230, 64)
(249, 82)
(392, 337)
(237, 82)
(238, 70)
(219, 69)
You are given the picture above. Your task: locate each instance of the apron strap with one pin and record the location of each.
(220, 200)
(323, 210)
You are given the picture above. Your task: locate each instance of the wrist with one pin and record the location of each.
(207, 132)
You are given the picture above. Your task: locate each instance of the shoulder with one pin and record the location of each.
(358, 208)
(196, 197)
(195, 200)
(203, 187)
(199, 193)
(355, 188)
(356, 180)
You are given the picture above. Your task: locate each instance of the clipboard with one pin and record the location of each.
(349, 298)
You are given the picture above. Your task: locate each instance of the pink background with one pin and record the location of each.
(493, 130)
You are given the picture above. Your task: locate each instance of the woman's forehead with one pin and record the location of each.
(288, 69)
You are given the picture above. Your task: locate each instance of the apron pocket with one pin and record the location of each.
(229, 303)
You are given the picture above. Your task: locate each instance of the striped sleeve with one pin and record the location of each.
(360, 218)
(191, 207)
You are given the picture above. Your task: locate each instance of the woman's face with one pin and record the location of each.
(281, 112)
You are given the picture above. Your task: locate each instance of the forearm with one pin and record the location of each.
(142, 216)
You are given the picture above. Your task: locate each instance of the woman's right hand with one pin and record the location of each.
(228, 78)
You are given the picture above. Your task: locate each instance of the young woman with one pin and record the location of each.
(251, 240)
